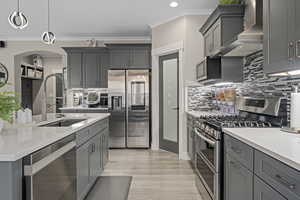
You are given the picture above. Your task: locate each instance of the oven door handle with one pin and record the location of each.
(30, 170)
(209, 141)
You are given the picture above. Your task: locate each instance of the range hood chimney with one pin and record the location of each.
(251, 40)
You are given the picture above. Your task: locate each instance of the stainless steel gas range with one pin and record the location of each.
(209, 140)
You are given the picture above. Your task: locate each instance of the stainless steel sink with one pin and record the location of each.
(63, 123)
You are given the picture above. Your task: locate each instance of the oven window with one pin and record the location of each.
(206, 173)
(208, 152)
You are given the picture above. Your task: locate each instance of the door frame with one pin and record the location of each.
(156, 53)
(170, 146)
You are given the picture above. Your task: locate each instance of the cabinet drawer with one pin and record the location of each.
(98, 127)
(82, 136)
(264, 192)
(283, 178)
(240, 151)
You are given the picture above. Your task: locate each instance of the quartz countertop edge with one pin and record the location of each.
(19, 141)
(280, 145)
(81, 108)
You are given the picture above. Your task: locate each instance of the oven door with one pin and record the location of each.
(50, 174)
(209, 179)
(209, 149)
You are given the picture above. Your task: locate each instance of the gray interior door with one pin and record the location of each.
(168, 102)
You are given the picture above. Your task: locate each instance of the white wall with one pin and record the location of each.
(183, 31)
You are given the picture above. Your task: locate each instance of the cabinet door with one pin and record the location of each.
(238, 180)
(208, 43)
(82, 156)
(264, 192)
(104, 66)
(140, 57)
(95, 162)
(75, 76)
(216, 32)
(91, 70)
(278, 48)
(296, 10)
(119, 58)
(105, 147)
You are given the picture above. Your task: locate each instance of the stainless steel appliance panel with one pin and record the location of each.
(117, 108)
(138, 109)
(50, 174)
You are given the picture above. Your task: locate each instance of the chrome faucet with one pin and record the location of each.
(57, 75)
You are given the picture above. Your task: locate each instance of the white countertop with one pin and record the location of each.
(81, 108)
(19, 141)
(273, 142)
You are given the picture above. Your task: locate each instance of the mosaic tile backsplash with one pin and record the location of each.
(254, 77)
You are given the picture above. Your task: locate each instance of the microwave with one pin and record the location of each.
(209, 68)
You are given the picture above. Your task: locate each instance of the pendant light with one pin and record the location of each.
(48, 37)
(17, 19)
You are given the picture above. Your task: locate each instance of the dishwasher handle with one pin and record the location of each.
(30, 170)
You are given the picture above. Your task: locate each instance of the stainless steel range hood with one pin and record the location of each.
(251, 40)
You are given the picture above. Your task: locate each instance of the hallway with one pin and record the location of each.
(157, 175)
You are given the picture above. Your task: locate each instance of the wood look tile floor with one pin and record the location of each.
(157, 175)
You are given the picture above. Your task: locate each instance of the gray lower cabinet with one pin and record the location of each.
(281, 35)
(264, 192)
(191, 139)
(83, 168)
(266, 179)
(238, 180)
(92, 155)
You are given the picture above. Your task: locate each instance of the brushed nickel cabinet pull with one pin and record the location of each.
(297, 49)
(285, 182)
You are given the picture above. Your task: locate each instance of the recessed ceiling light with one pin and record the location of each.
(174, 4)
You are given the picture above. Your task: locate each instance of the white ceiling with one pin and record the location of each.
(100, 19)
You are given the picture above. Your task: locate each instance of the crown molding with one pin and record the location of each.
(186, 13)
(79, 38)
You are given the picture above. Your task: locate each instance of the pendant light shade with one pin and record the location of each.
(48, 37)
(17, 19)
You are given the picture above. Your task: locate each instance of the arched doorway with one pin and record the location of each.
(31, 70)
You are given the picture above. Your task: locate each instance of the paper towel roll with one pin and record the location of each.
(295, 110)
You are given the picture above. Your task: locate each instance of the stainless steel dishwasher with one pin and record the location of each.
(50, 173)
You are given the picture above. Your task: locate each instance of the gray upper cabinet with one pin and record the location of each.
(75, 73)
(141, 57)
(87, 67)
(238, 180)
(222, 26)
(92, 70)
(119, 57)
(281, 35)
(130, 56)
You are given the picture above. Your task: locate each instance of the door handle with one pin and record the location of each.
(290, 46)
(175, 108)
(297, 49)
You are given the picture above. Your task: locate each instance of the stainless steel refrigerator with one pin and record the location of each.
(129, 105)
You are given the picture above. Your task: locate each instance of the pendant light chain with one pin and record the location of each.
(48, 15)
(18, 5)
